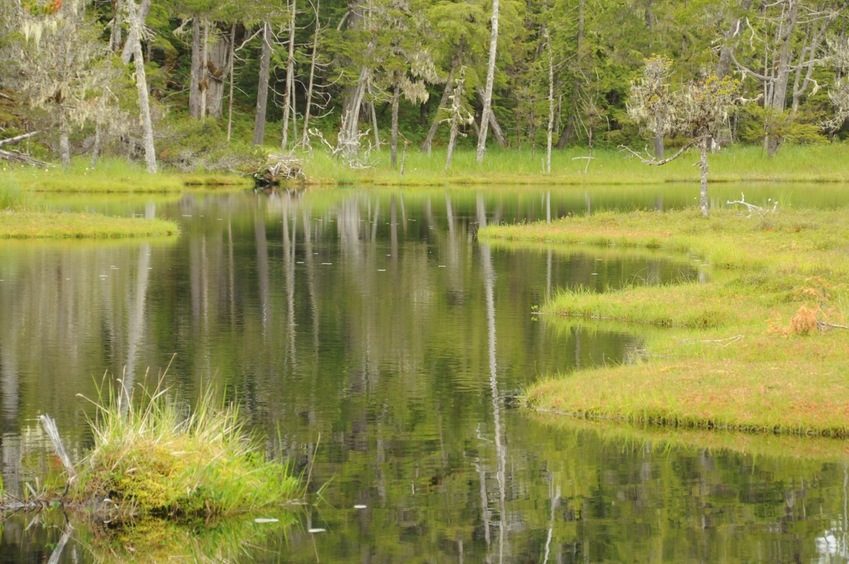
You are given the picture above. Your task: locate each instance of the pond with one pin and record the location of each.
(373, 341)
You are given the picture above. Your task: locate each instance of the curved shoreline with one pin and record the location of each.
(778, 286)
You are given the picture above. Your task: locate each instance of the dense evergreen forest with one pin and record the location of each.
(196, 83)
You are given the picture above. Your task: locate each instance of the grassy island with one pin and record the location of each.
(59, 225)
(762, 345)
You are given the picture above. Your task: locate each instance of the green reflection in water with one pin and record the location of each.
(376, 321)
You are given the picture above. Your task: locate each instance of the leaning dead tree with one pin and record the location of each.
(17, 157)
(698, 111)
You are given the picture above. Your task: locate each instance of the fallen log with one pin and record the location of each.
(18, 157)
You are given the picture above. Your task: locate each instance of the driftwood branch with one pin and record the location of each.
(17, 157)
(752, 207)
(53, 432)
(17, 138)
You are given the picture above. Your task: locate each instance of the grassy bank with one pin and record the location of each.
(756, 347)
(812, 163)
(111, 176)
(67, 225)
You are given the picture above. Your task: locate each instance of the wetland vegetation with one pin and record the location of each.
(760, 345)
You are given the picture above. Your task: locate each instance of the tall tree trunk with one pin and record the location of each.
(658, 144)
(726, 53)
(393, 134)
(374, 121)
(550, 129)
(230, 65)
(262, 86)
(434, 124)
(778, 100)
(496, 130)
(308, 109)
(64, 139)
(115, 32)
(290, 79)
(456, 113)
(216, 71)
(141, 85)
(204, 76)
(196, 79)
(572, 121)
(490, 77)
(142, 11)
(349, 129)
(704, 147)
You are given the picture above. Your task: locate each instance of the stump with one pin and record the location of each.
(277, 168)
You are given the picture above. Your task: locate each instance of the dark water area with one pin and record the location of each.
(371, 339)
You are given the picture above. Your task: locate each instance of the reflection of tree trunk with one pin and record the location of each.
(393, 230)
(136, 309)
(262, 269)
(310, 267)
(289, 245)
(500, 451)
(231, 274)
(554, 502)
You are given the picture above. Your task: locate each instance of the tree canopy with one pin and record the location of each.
(351, 70)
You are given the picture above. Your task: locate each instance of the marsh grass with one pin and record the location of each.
(753, 348)
(66, 225)
(114, 176)
(577, 166)
(152, 455)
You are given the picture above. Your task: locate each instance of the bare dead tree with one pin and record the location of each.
(490, 77)
(699, 110)
(792, 47)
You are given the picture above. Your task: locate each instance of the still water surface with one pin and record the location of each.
(372, 334)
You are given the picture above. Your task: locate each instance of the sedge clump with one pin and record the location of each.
(153, 456)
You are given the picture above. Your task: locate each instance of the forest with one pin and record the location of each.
(194, 84)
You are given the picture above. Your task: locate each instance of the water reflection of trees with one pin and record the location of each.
(382, 325)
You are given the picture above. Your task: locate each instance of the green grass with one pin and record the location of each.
(72, 225)
(809, 163)
(111, 176)
(152, 456)
(740, 351)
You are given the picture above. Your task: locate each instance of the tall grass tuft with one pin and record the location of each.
(154, 456)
